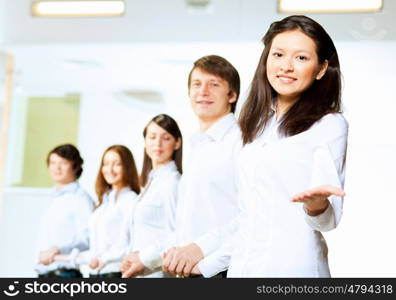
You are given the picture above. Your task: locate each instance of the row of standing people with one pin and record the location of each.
(71, 234)
(253, 198)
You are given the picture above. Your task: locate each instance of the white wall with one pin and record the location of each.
(362, 246)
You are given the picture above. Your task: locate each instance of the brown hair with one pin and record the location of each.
(221, 67)
(321, 98)
(169, 124)
(71, 153)
(129, 175)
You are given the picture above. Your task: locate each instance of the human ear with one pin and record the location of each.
(178, 143)
(232, 97)
(323, 69)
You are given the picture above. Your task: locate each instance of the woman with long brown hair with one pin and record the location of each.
(292, 166)
(117, 187)
(152, 225)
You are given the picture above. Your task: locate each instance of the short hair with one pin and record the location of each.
(219, 66)
(71, 153)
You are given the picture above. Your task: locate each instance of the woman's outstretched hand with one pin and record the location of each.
(316, 200)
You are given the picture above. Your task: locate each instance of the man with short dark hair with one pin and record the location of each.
(207, 198)
(208, 194)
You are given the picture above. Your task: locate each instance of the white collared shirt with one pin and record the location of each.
(150, 226)
(105, 225)
(64, 223)
(154, 218)
(208, 188)
(275, 237)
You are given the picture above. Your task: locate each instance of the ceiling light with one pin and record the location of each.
(330, 6)
(63, 8)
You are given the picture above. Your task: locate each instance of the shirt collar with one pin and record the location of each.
(169, 167)
(66, 189)
(270, 132)
(110, 195)
(218, 130)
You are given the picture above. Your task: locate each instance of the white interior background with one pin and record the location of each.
(152, 48)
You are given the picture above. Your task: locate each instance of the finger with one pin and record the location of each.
(101, 266)
(187, 269)
(196, 270)
(128, 273)
(303, 197)
(300, 196)
(123, 268)
(166, 262)
(180, 267)
(330, 190)
(173, 265)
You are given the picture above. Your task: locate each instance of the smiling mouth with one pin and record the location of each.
(204, 102)
(286, 79)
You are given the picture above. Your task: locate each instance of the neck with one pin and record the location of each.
(157, 165)
(117, 187)
(283, 105)
(205, 124)
(61, 185)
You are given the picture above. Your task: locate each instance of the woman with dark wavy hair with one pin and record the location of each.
(292, 166)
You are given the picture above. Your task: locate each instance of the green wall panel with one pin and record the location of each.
(50, 122)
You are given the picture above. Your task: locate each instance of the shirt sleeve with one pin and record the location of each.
(218, 261)
(214, 239)
(78, 258)
(329, 169)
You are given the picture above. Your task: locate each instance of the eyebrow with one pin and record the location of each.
(211, 80)
(299, 50)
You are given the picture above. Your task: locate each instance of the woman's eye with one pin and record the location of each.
(277, 54)
(302, 57)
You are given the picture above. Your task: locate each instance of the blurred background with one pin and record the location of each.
(97, 80)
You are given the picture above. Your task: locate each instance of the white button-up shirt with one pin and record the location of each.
(105, 225)
(275, 237)
(154, 219)
(208, 188)
(150, 226)
(64, 223)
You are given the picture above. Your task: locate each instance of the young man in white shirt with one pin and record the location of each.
(207, 198)
(64, 223)
(207, 193)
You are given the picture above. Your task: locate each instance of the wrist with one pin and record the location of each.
(317, 210)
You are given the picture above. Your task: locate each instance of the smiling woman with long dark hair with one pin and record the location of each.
(292, 166)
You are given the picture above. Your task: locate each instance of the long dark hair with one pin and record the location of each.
(130, 176)
(169, 124)
(321, 98)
